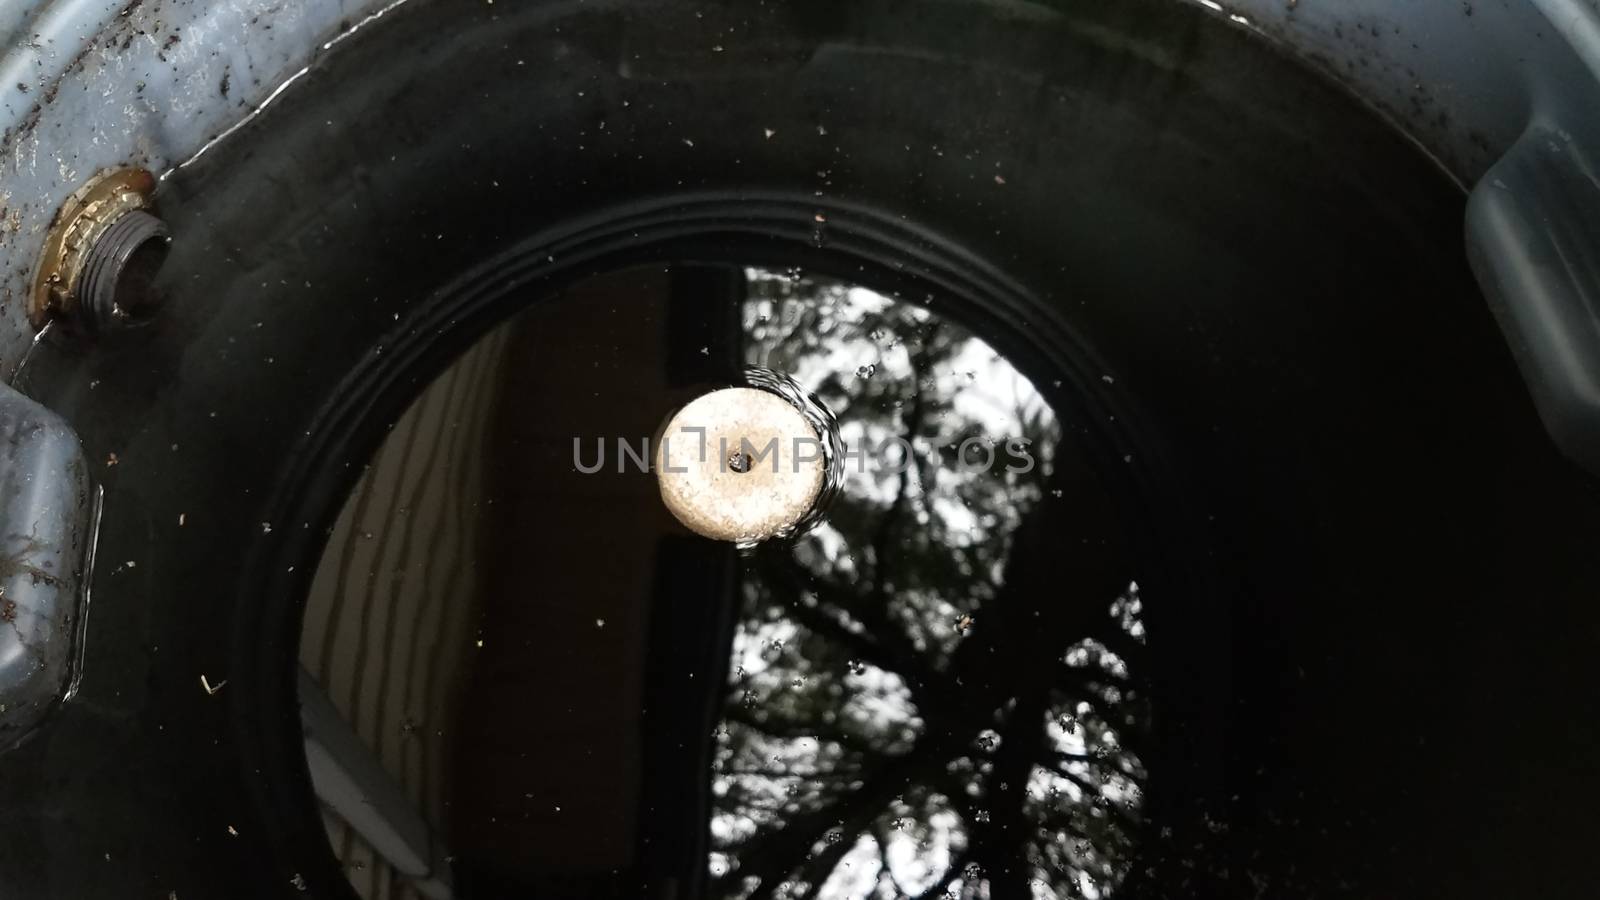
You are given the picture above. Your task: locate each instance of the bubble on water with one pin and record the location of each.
(826, 427)
(866, 370)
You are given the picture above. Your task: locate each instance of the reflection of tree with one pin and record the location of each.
(930, 696)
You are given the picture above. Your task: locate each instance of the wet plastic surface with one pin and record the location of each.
(46, 530)
(1532, 227)
(1316, 404)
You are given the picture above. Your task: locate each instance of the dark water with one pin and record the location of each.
(936, 687)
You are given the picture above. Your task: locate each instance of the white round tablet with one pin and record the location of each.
(740, 464)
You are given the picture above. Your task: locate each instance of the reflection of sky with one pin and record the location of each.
(838, 675)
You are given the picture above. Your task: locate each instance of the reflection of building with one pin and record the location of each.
(542, 613)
